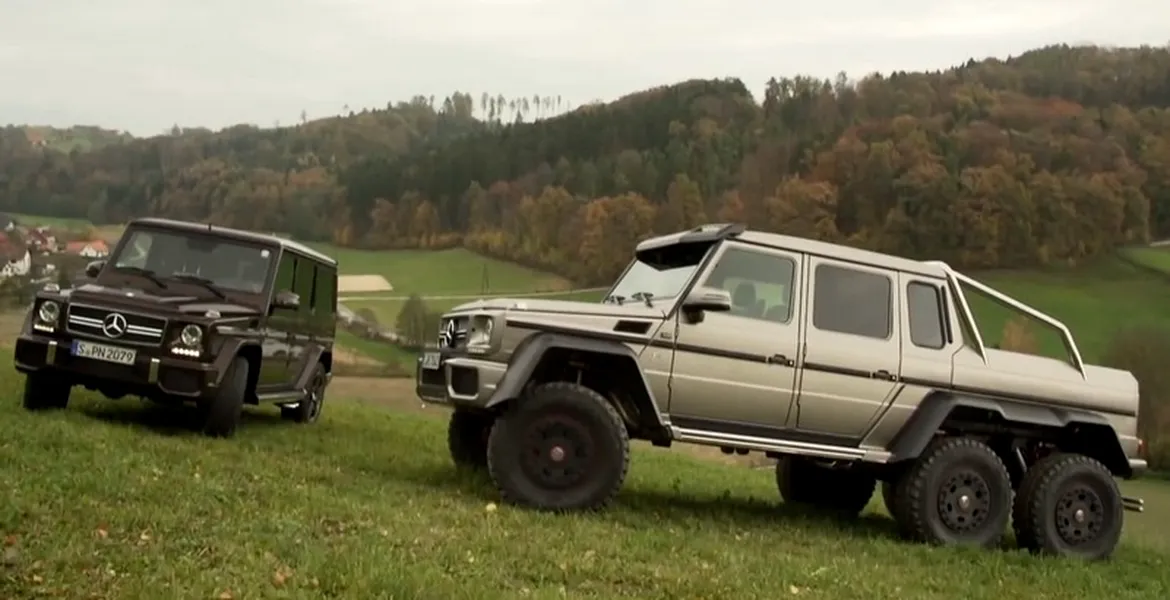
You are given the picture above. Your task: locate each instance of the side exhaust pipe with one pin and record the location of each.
(1133, 504)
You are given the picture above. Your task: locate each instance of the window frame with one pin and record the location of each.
(793, 260)
(941, 315)
(852, 269)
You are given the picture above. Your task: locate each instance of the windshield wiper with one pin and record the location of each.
(203, 281)
(643, 296)
(147, 273)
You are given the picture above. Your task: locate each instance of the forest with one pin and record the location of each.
(1051, 157)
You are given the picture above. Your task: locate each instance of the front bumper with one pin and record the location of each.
(150, 374)
(458, 379)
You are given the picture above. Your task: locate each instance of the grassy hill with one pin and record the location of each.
(116, 499)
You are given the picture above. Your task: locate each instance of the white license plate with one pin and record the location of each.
(430, 360)
(114, 354)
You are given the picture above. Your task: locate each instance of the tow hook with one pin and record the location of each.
(1133, 504)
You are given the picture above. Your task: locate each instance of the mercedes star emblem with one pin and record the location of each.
(114, 325)
(447, 337)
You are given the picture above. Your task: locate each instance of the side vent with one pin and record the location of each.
(638, 327)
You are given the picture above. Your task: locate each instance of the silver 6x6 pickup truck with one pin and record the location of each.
(848, 367)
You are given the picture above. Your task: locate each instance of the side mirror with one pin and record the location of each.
(92, 269)
(703, 299)
(286, 299)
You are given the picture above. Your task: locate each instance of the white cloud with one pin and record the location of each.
(144, 64)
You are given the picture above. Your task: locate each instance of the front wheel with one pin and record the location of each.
(1068, 505)
(221, 413)
(561, 447)
(467, 438)
(43, 391)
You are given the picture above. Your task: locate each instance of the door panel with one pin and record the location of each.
(852, 352)
(278, 329)
(738, 368)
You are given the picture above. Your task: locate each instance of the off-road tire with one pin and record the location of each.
(1050, 482)
(958, 463)
(221, 413)
(593, 435)
(801, 481)
(308, 410)
(43, 391)
(467, 438)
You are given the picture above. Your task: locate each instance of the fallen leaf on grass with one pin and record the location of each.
(491, 507)
(10, 539)
(10, 556)
(102, 533)
(38, 579)
(226, 595)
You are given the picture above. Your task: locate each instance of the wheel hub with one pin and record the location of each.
(964, 501)
(1080, 515)
(557, 451)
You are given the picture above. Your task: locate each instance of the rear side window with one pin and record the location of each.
(852, 301)
(924, 305)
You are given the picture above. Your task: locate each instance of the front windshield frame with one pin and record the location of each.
(268, 253)
(686, 272)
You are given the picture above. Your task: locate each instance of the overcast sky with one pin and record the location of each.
(143, 65)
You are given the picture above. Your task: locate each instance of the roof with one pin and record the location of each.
(81, 244)
(720, 231)
(238, 234)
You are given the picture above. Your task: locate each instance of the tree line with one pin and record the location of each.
(1051, 157)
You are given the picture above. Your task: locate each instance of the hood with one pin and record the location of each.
(135, 298)
(517, 306)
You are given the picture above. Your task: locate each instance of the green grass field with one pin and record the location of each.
(386, 310)
(119, 500)
(428, 272)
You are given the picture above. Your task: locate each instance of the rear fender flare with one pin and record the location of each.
(930, 415)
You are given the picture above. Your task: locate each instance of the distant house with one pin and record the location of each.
(41, 240)
(90, 249)
(14, 259)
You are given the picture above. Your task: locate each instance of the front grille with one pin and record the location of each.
(104, 323)
(453, 332)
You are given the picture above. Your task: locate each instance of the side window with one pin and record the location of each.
(305, 286)
(324, 294)
(924, 305)
(852, 301)
(760, 284)
(286, 272)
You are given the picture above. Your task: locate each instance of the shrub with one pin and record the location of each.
(1144, 352)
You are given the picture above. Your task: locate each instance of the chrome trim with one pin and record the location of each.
(713, 438)
(152, 374)
(1133, 504)
(51, 353)
(93, 323)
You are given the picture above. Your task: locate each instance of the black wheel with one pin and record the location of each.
(841, 490)
(958, 492)
(467, 438)
(561, 447)
(309, 408)
(221, 413)
(1068, 505)
(43, 391)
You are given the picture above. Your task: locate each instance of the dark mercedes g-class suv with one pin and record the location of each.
(189, 312)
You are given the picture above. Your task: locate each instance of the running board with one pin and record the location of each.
(1133, 504)
(714, 438)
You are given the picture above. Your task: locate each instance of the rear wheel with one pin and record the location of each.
(844, 490)
(1068, 505)
(562, 447)
(309, 408)
(44, 391)
(958, 492)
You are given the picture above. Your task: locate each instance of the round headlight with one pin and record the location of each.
(191, 335)
(48, 312)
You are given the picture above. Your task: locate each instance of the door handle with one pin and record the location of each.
(884, 374)
(780, 359)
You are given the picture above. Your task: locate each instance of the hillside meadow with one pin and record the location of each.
(120, 500)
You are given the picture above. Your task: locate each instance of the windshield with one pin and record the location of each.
(221, 263)
(661, 274)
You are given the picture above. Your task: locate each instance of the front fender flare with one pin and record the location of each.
(526, 358)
